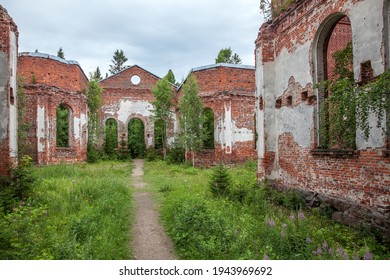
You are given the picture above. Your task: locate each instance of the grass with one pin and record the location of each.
(250, 221)
(74, 212)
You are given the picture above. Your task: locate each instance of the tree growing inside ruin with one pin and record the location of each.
(96, 75)
(118, 60)
(171, 78)
(61, 53)
(226, 56)
(163, 104)
(94, 100)
(191, 121)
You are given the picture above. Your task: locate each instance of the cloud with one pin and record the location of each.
(157, 35)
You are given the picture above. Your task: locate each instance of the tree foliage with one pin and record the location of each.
(96, 75)
(62, 135)
(191, 121)
(163, 104)
(136, 138)
(94, 101)
(111, 143)
(171, 77)
(61, 53)
(119, 59)
(226, 56)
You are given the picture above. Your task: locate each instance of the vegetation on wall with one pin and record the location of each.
(111, 139)
(23, 126)
(62, 126)
(348, 105)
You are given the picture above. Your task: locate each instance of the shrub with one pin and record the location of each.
(220, 181)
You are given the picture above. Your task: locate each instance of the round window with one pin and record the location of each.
(135, 80)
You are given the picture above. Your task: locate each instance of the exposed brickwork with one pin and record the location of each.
(56, 82)
(8, 99)
(228, 90)
(355, 183)
(123, 101)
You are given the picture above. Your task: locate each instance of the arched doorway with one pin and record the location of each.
(136, 138)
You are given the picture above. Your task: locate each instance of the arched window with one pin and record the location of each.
(136, 138)
(333, 62)
(111, 133)
(62, 126)
(208, 126)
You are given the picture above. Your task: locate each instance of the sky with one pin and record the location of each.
(155, 35)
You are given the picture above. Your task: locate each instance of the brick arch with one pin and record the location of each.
(148, 128)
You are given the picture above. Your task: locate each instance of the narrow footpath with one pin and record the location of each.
(149, 240)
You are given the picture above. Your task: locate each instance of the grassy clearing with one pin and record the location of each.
(248, 221)
(74, 212)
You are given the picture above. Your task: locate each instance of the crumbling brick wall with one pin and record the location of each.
(50, 81)
(126, 97)
(8, 92)
(289, 62)
(229, 90)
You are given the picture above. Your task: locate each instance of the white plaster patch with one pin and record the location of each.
(298, 121)
(13, 121)
(229, 133)
(41, 128)
(294, 64)
(130, 107)
(76, 122)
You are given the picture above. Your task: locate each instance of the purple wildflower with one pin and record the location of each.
(317, 252)
(266, 257)
(325, 246)
(355, 257)
(345, 256)
(284, 226)
(340, 251)
(292, 217)
(308, 240)
(271, 222)
(368, 256)
(301, 215)
(330, 251)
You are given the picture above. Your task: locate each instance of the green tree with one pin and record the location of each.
(118, 61)
(191, 121)
(96, 75)
(171, 77)
(62, 123)
(94, 100)
(60, 53)
(111, 143)
(136, 138)
(163, 104)
(226, 56)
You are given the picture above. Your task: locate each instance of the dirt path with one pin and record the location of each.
(149, 240)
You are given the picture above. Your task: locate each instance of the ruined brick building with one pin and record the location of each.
(50, 82)
(8, 97)
(294, 53)
(228, 90)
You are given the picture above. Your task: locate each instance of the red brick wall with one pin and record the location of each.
(57, 82)
(118, 88)
(7, 25)
(222, 86)
(48, 71)
(338, 40)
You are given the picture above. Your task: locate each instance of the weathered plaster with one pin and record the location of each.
(4, 79)
(41, 130)
(367, 28)
(13, 118)
(130, 107)
(298, 121)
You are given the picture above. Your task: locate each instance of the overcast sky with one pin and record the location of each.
(156, 35)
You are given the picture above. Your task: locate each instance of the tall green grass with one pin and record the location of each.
(250, 221)
(74, 212)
